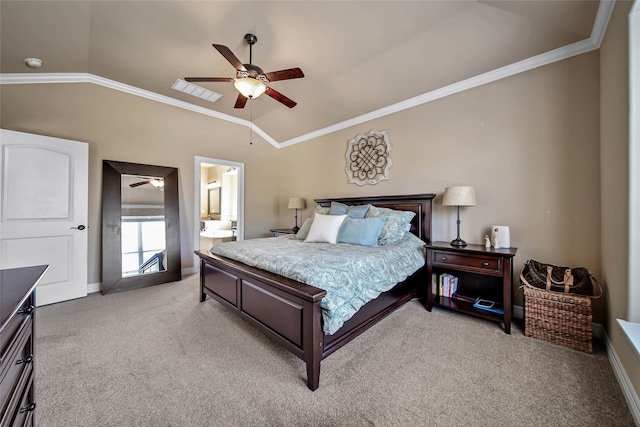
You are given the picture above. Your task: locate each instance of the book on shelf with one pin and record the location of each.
(461, 297)
(446, 286)
(488, 305)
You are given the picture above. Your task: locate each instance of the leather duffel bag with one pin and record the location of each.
(577, 280)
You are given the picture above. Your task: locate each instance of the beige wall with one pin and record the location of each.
(529, 144)
(127, 128)
(614, 154)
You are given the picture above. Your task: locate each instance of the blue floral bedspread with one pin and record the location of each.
(352, 275)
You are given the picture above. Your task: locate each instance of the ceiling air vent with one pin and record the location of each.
(197, 91)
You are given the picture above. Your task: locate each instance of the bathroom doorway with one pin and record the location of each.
(219, 202)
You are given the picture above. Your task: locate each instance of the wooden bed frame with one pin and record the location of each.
(289, 311)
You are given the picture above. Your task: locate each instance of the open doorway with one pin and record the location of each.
(219, 202)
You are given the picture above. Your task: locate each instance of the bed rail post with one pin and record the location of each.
(203, 296)
(312, 343)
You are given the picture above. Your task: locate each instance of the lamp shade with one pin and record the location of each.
(462, 195)
(250, 87)
(297, 203)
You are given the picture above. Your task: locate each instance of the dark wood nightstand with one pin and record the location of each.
(275, 232)
(481, 272)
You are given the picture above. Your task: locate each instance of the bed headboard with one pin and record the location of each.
(418, 203)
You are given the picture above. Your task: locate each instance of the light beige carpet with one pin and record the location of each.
(158, 357)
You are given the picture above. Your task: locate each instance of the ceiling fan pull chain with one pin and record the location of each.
(251, 121)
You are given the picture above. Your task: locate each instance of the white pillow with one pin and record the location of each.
(325, 228)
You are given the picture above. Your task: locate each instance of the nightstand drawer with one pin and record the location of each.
(472, 261)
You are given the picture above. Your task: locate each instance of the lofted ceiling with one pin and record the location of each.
(361, 59)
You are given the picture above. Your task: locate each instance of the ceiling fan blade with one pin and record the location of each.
(226, 52)
(136, 184)
(291, 73)
(208, 79)
(240, 101)
(280, 97)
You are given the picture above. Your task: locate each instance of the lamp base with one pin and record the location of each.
(458, 242)
(296, 229)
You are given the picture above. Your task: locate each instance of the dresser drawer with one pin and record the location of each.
(22, 407)
(467, 261)
(16, 367)
(13, 327)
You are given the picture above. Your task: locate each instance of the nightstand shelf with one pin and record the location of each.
(482, 273)
(466, 307)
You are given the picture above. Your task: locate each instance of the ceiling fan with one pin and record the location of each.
(156, 182)
(250, 80)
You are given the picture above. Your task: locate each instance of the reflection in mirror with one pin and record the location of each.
(214, 203)
(140, 226)
(143, 225)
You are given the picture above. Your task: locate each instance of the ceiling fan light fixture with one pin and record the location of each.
(158, 183)
(250, 87)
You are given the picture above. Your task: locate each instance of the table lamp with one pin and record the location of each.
(459, 196)
(296, 203)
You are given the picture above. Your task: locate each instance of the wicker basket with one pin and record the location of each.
(558, 318)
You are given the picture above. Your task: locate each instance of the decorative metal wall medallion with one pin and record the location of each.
(369, 157)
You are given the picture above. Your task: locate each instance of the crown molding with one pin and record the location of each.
(39, 78)
(605, 9)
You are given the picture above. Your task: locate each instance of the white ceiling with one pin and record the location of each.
(361, 59)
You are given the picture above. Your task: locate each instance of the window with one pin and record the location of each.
(632, 326)
(142, 240)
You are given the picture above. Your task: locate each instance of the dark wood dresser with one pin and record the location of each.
(17, 336)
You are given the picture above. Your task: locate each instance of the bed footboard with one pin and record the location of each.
(286, 310)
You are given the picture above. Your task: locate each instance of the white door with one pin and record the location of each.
(44, 210)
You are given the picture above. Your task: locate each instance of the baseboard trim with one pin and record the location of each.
(92, 288)
(189, 271)
(518, 312)
(623, 379)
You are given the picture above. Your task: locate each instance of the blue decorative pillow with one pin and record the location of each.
(361, 231)
(338, 208)
(304, 230)
(397, 224)
(359, 211)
